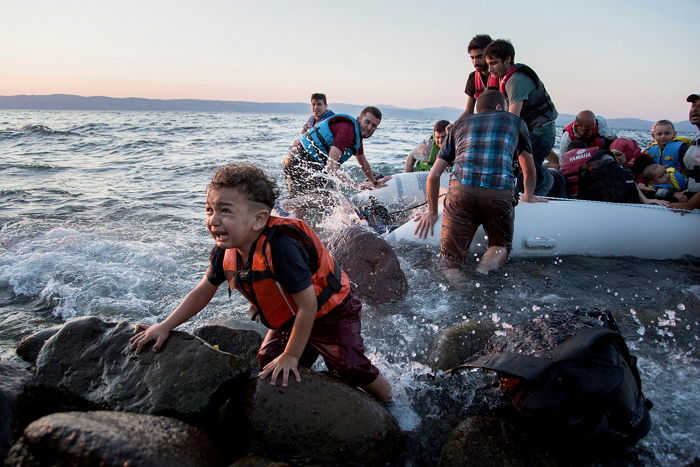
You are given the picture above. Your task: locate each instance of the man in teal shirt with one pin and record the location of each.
(528, 99)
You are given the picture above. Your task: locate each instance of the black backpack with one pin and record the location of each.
(602, 178)
(589, 391)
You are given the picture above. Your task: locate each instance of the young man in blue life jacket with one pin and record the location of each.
(321, 150)
(481, 191)
(528, 99)
(319, 110)
(422, 157)
(290, 278)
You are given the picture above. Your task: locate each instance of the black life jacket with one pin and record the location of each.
(590, 391)
(538, 109)
(602, 178)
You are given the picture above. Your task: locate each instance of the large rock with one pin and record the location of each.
(457, 343)
(370, 263)
(241, 342)
(481, 440)
(320, 417)
(92, 360)
(29, 348)
(112, 439)
(13, 385)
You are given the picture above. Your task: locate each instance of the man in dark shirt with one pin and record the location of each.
(481, 148)
(478, 80)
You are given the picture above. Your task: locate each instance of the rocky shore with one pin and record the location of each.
(85, 399)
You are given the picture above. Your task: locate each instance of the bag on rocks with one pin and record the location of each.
(590, 390)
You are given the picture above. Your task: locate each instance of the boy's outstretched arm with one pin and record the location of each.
(190, 306)
(303, 322)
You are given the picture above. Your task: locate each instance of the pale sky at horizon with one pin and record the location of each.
(617, 58)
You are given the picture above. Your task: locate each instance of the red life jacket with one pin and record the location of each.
(571, 161)
(479, 86)
(275, 307)
(594, 140)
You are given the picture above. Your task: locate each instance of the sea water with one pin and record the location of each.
(101, 214)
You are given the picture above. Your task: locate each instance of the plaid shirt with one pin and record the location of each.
(482, 147)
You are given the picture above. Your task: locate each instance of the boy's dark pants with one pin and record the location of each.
(336, 337)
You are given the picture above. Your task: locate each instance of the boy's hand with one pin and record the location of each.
(284, 363)
(146, 333)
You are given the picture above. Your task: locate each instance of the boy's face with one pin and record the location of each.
(232, 219)
(663, 134)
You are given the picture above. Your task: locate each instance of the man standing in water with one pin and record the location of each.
(481, 190)
(528, 99)
(323, 148)
(319, 110)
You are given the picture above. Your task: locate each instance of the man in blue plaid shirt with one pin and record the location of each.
(482, 148)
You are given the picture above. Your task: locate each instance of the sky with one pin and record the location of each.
(618, 58)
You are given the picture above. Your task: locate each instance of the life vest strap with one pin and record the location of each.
(333, 285)
(326, 147)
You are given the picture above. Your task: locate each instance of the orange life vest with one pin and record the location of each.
(274, 306)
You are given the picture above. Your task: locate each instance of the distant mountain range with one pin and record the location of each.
(72, 102)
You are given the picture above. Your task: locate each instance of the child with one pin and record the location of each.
(668, 148)
(664, 183)
(294, 285)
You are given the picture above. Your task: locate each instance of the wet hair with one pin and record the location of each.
(440, 126)
(373, 110)
(249, 180)
(479, 42)
(642, 161)
(319, 96)
(662, 122)
(489, 99)
(500, 48)
(651, 170)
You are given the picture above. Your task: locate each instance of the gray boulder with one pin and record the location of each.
(92, 361)
(112, 439)
(28, 349)
(370, 263)
(320, 417)
(457, 343)
(241, 342)
(13, 389)
(481, 440)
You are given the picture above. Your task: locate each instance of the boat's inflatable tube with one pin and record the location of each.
(404, 191)
(588, 228)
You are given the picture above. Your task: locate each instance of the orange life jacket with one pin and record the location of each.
(258, 283)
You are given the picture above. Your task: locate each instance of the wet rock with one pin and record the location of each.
(92, 361)
(542, 334)
(28, 349)
(370, 263)
(482, 440)
(112, 439)
(458, 343)
(13, 384)
(241, 342)
(320, 417)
